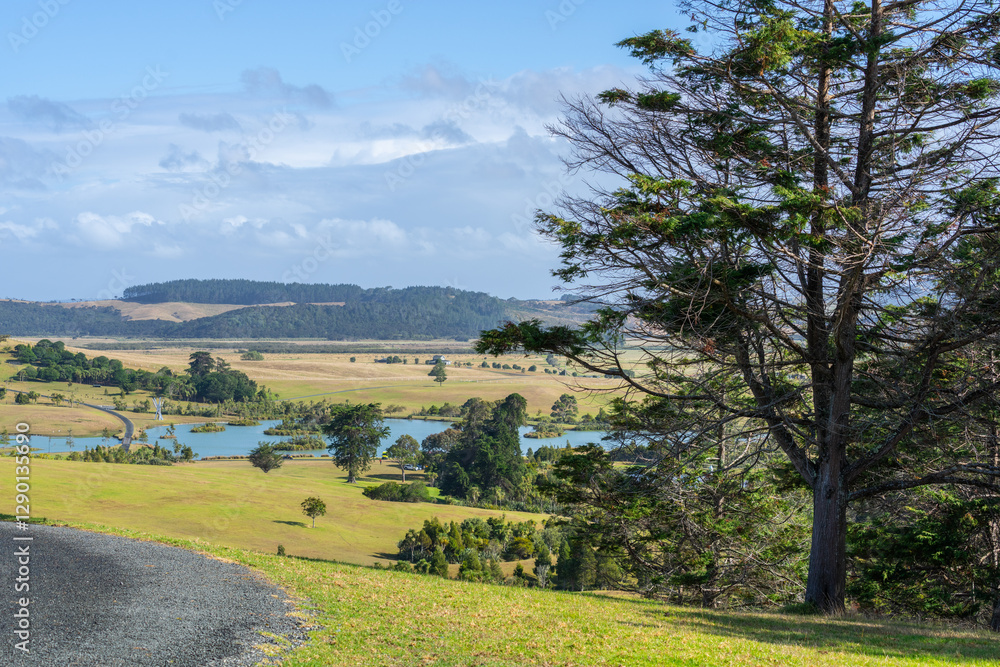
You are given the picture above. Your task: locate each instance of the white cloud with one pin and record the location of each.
(164, 251)
(351, 237)
(209, 122)
(231, 225)
(53, 115)
(177, 160)
(466, 158)
(110, 231)
(26, 232)
(267, 82)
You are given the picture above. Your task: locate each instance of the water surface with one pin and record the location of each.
(239, 440)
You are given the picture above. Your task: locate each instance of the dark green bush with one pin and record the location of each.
(415, 492)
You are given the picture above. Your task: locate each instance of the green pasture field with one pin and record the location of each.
(363, 616)
(231, 503)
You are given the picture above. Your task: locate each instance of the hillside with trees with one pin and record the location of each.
(334, 312)
(239, 291)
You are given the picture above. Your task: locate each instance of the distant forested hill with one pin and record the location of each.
(413, 313)
(32, 319)
(245, 292)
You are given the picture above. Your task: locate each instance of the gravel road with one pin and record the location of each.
(106, 600)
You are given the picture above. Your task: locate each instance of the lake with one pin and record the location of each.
(239, 440)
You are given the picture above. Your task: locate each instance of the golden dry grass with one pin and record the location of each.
(171, 311)
(57, 422)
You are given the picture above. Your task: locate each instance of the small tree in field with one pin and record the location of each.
(438, 372)
(313, 507)
(405, 451)
(264, 457)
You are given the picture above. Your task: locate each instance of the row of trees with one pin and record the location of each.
(140, 455)
(207, 379)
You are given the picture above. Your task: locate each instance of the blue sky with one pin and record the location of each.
(377, 143)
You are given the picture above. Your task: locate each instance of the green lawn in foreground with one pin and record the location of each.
(363, 616)
(232, 503)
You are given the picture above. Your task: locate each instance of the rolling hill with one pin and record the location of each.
(247, 309)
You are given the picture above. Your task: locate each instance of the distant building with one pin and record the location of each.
(436, 359)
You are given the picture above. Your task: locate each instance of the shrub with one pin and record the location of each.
(415, 492)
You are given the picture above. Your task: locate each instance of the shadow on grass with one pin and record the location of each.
(384, 477)
(392, 475)
(869, 637)
(297, 524)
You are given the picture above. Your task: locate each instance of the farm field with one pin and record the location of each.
(57, 421)
(233, 504)
(318, 376)
(362, 616)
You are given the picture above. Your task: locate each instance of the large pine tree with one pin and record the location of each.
(804, 240)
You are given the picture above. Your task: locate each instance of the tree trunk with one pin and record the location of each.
(828, 556)
(994, 448)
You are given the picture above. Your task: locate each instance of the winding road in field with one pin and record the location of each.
(96, 599)
(129, 426)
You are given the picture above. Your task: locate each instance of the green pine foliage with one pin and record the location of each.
(937, 557)
(478, 546)
(487, 454)
(355, 432)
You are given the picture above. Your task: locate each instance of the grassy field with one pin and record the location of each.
(231, 503)
(58, 421)
(362, 616)
(169, 311)
(305, 376)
